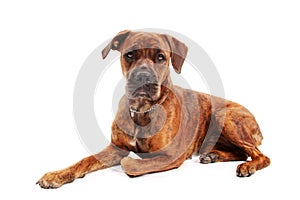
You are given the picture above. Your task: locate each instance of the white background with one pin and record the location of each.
(254, 44)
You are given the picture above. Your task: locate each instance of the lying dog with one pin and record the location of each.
(165, 124)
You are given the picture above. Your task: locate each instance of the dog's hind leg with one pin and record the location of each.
(241, 129)
(222, 156)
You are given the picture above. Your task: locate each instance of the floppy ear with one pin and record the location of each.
(115, 43)
(178, 52)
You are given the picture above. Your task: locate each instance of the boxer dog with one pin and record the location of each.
(165, 124)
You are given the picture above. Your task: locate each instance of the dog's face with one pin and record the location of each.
(145, 59)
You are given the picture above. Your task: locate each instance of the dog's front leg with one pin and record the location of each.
(138, 167)
(110, 156)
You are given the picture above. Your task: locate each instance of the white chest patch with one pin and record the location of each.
(133, 142)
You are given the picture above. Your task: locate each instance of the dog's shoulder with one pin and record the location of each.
(191, 96)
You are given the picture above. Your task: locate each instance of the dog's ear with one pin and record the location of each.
(115, 43)
(178, 52)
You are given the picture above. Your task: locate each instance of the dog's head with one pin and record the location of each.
(145, 59)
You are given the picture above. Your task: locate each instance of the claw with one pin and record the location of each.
(245, 170)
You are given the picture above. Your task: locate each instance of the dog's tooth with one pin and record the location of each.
(132, 114)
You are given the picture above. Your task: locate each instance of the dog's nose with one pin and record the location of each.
(143, 77)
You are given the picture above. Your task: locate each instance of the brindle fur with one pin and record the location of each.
(184, 122)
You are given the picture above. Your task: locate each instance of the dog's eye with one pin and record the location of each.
(130, 55)
(161, 57)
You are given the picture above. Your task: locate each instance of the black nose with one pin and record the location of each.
(143, 77)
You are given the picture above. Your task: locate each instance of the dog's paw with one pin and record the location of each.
(131, 166)
(245, 169)
(209, 158)
(52, 180)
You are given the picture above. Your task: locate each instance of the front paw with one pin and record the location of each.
(131, 166)
(52, 180)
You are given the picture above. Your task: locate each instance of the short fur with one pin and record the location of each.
(166, 124)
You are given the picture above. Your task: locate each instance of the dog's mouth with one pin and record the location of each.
(149, 91)
(142, 98)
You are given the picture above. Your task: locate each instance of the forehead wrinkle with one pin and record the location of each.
(141, 46)
(143, 40)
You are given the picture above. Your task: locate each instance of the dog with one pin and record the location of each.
(165, 124)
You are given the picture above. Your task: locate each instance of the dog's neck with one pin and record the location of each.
(142, 118)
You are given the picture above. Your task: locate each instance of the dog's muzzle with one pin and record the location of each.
(142, 82)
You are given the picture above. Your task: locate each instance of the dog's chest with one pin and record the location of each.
(141, 139)
(138, 137)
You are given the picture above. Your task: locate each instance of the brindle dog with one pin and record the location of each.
(166, 124)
